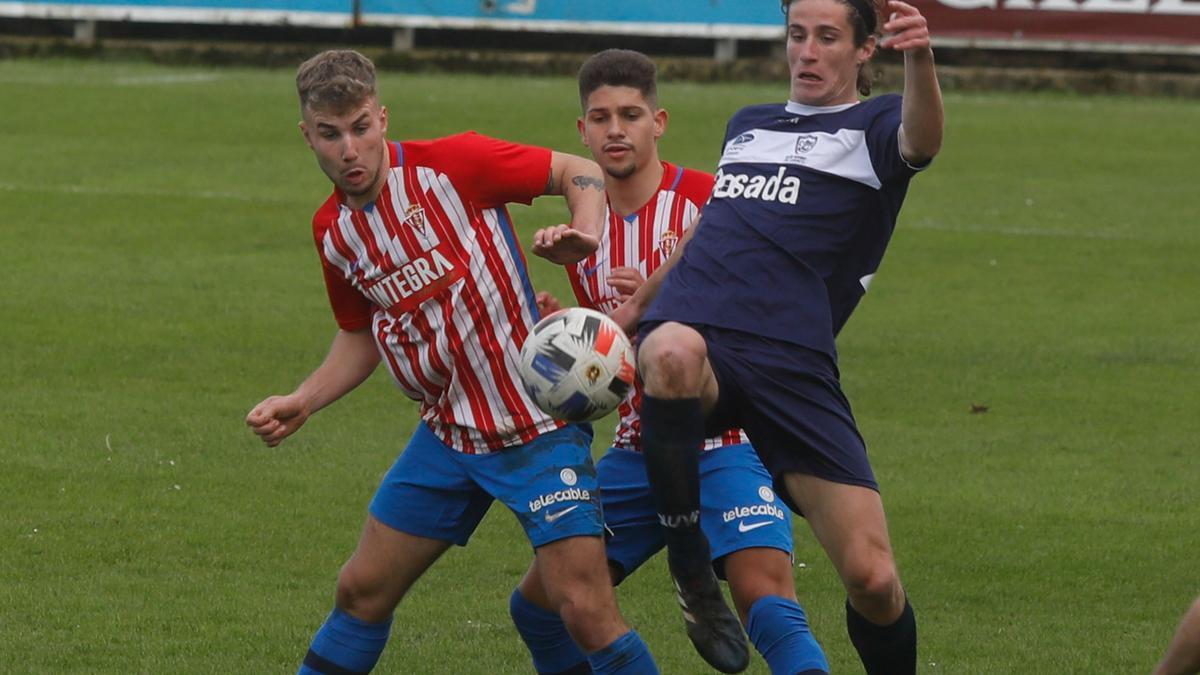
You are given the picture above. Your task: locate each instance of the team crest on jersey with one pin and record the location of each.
(667, 242)
(805, 143)
(414, 217)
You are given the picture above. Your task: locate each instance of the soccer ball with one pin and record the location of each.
(577, 365)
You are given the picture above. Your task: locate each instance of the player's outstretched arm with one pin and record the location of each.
(580, 181)
(921, 116)
(628, 313)
(1183, 655)
(352, 358)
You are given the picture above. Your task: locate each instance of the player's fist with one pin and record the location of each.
(563, 245)
(276, 418)
(625, 280)
(905, 28)
(546, 303)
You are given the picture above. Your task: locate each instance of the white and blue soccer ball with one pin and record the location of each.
(577, 365)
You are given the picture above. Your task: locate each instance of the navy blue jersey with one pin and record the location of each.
(804, 204)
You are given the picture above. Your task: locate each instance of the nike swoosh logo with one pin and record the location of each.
(551, 517)
(742, 526)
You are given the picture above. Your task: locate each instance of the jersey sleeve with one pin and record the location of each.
(493, 172)
(696, 186)
(883, 140)
(352, 310)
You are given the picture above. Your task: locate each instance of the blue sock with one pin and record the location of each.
(547, 638)
(627, 655)
(779, 630)
(345, 646)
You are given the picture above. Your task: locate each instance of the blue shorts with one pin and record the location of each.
(738, 509)
(436, 492)
(789, 401)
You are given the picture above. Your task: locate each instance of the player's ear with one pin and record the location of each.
(303, 126)
(660, 122)
(383, 118)
(866, 51)
(579, 125)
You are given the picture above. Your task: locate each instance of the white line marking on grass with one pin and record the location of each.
(1027, 231)
(117, 192)
(106, 443)
(179, 78)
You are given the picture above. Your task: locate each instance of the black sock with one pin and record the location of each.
(885, 650)
(672, 436)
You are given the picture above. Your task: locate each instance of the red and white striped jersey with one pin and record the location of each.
(644, 240)
(433, 268)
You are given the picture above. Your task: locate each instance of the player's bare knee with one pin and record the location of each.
(361, 597)
(873, 580)
(671, 360)
(592, 621)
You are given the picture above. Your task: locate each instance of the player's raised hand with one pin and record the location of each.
(276, 418)
(563, 244)
(547, 304)
(625, 280)
(906, 29)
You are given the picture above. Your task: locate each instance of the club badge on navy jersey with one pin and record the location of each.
(805, 143)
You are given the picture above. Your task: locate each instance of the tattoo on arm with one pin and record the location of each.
(585, 182)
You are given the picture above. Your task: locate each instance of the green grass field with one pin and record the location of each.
(159, 279)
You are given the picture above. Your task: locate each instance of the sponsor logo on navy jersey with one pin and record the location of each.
(778, 188)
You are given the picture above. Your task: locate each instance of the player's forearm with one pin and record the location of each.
(922, 116)
(645, 294)
(581, 183)
(351, 360)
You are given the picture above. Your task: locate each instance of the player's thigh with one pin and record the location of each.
(385, 564)
(575, 577)
(849, 523)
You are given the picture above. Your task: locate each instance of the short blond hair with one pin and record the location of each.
(335, 80)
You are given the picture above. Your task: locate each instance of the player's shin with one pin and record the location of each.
(885, 650)
(546, 636)
(345, 644)
(779, 630)
(672, 434)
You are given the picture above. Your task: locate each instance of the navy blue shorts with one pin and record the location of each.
(789, 400)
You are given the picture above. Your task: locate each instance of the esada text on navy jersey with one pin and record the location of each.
(804, 205)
